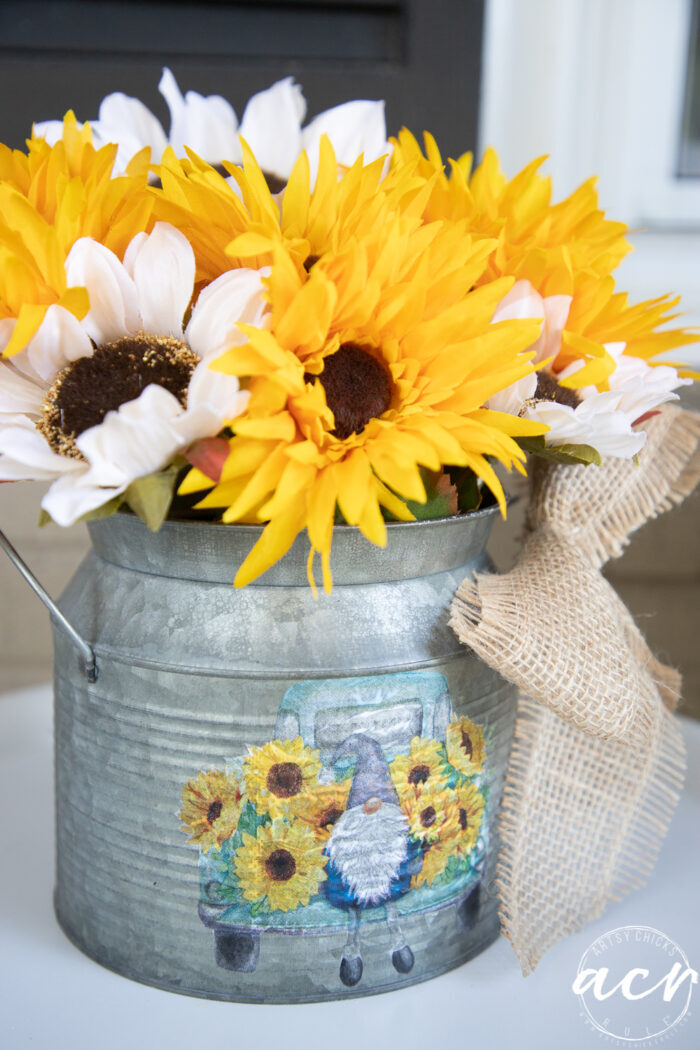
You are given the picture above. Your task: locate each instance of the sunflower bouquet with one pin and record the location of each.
(299, 326)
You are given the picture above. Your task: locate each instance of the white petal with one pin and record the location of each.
(511, 399)
(59, 340)
(642, 393)
(616, 350)
(25, 455)
(596, 422)
(113, 302)
(74, 495)
(565, 426)
(213, 399)
(636, 386)
(600, 403)
(234, 296)
(133, 249)
(354, 128)
(618, 440)
(522, 301)
(7, 327)
(170, 91)
(162, 266)
(138, 439)
(50, 130)
(556, 314)
(271, 126)
(131, 124)
(19, 396)
(208, 125)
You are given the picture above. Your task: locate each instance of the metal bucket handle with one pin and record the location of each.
(89, 664)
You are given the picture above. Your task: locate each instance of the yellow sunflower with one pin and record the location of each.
(466, 747)
(599, 315)
(279, 775)
(568, 249)
(284, 862)
(435, 861)
(321, 806)
(211, 808)
(470, 814)
(432, 813)
(49, 197)
(377, 363)
(422, 769)
(537, 240)
(229, 229)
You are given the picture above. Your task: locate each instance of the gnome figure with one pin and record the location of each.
(370, 858)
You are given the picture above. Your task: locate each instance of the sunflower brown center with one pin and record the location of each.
(284, 779)
(87, 389)
(329, 817)
(214, 811)
(427, 817)
(280, 865)
(548, 389)
(275, 183)
(358, 388)
(463, 819)
(467, 744)
(418, 774)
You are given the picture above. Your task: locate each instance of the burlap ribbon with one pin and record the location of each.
(598, 760)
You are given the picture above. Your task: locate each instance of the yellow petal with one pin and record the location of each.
(274, 543)
(28, 322)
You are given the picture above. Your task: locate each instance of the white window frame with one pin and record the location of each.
(599, 86)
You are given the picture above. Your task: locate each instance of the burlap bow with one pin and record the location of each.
(598, 760)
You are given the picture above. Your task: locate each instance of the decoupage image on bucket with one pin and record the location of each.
(377, 812)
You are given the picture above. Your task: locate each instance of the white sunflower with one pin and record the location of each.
(95, 404)
(603, 419)
(272, 125)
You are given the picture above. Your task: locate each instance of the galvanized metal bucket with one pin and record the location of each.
(231, 718)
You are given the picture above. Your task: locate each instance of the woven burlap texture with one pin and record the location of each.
(598, 761)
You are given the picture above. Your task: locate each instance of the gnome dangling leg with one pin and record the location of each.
(370, 859)
(351, 962)
(401, 955)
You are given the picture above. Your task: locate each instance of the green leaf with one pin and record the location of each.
(231, 914)
(469, 494)
(228, 847)
(249, 820)
(229, 889)
(105, 511)
(567, 454)
(451, 869)
(578, 453)
(150, 497)
(442, 500)
(259, 905)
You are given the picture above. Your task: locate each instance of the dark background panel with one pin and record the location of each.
(422, 56)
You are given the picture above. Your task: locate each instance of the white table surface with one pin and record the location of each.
(53, 997)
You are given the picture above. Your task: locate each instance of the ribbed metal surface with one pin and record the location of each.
(191, 672)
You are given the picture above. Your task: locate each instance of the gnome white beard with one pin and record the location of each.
(368, 849)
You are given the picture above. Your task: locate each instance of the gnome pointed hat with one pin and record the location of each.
(371, 778)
